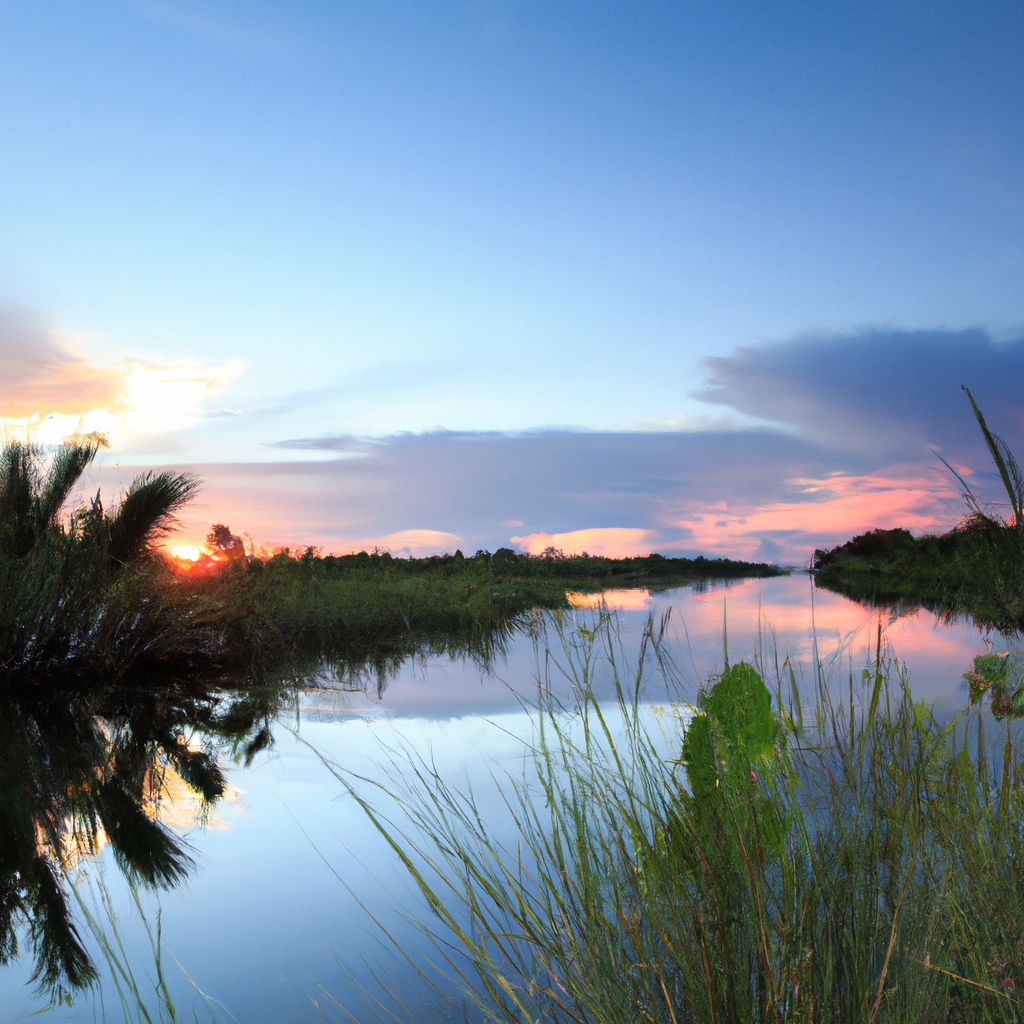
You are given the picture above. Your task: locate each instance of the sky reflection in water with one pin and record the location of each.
(256, 924)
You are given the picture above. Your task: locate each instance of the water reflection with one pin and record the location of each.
(991, 609)
(131, 768)
(123, 773)
(79, 772)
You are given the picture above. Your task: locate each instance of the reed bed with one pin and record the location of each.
(828, 852)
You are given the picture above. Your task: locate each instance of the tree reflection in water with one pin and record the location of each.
(81, 771)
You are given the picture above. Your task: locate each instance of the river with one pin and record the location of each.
(289, 873)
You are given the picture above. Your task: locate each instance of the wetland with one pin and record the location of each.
(501, 787)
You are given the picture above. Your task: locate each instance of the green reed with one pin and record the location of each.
(838, 853)
(137, 979)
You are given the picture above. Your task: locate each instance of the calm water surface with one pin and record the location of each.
(270, 918)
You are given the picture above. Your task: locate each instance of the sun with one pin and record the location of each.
(185, 552)
(192, 559)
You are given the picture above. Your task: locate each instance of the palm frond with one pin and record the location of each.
(18, 478)
(61, 959)
(69, 463)
(145, 849)
(147, 511)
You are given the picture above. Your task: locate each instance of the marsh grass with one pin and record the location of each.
(138, 982)
(853, 857)
(374, 603)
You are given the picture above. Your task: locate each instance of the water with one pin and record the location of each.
(288, 869)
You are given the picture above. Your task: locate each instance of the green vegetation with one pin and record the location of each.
(975, 570)
(80, 598)
(828, 859)
(965, 572)
(355, 603)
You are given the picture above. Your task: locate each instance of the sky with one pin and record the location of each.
(609, 276)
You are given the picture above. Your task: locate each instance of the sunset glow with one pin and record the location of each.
(192, 559)
(65, 394)
(613, 600)
(851, 505)
(608, 542)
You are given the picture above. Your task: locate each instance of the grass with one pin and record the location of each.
(373, 606)
(833, 856)
(143, 990)
(365, 599)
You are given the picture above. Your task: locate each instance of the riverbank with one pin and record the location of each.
(815, 849)
(975, 570)
(354, 602)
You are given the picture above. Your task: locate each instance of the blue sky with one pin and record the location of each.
(359, 220)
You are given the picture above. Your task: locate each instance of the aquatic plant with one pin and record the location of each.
(802, 857)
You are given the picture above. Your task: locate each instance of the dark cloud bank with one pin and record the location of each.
(880, 394)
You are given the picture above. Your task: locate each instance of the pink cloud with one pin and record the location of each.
(842, 507)
(344, 507)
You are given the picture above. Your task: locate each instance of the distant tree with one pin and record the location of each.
(225, 545)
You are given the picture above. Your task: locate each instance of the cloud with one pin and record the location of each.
(41, 373)
(880, 393)
(50, 391)
(853, 412)
(844, 506)
(755, 494)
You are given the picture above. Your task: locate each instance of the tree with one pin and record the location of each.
(33, 495)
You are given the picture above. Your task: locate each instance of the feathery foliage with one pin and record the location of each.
(31, 499)
(147, 512)
(80, 596)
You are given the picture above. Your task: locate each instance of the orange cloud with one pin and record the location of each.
(48, 391)
(41, 374)
(609, 541)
